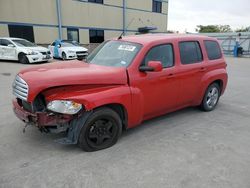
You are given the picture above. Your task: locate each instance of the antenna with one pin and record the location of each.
(120, 37)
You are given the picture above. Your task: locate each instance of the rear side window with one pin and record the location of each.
(190, 52)
(213, 50)
(4, 42)
(163, 53)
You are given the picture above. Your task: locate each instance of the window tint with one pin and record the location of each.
(162, 53)
(157, 6)
(96, 1)
(190, 52)
(4, 42)
(213, 50)
(96, 36)
(73, 34)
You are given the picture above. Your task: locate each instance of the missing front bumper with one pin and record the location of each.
(41, 119)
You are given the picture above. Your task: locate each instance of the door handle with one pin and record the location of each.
(171, 75)
(203, 69)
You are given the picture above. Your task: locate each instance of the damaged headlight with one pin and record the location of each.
(64, 107)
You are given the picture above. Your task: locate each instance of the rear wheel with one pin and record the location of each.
(211, 97)
(101, 130)
(23, 59)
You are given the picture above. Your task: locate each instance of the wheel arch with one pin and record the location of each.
(120, 109)
(210, 82)
(20, 53)
(219, 82)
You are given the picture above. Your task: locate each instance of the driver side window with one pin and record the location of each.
(163, 53)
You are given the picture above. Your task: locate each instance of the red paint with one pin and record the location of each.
(143, 95)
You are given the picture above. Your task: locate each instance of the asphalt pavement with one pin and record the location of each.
(188, 148)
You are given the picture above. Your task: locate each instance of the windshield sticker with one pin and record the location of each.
(123, 63)
(127, 48)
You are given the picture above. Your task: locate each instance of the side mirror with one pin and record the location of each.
(58, 46)
(153, 66)
(11, 45)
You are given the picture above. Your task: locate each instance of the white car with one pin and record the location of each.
(67, 50)
(23, 51)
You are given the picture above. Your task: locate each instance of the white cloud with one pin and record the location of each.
(186, 15)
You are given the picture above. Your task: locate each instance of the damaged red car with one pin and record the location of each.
(122, 83)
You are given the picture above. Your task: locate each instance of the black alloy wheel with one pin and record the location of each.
(101, 130)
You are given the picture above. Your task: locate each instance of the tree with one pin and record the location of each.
(224, 28)
(243, 29)
(213, 28)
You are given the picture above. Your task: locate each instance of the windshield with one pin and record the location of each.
(67, 44)
(23, 43)
(114, 53)
(75, 43)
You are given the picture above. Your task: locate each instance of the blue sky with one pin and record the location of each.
(184, 15)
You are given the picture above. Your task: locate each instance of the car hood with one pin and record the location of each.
(37, 48)
(75, 48)
(75, 72)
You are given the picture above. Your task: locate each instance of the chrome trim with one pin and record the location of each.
(20, 88)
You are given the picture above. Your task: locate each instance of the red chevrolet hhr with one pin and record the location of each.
(122, 83)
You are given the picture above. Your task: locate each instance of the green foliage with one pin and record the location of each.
(243, 29)
(213, 28)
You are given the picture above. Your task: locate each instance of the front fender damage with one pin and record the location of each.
(74, 130)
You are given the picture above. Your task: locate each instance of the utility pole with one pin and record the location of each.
(124, 17)
(59, 18)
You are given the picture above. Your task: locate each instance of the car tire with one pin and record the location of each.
(23, 59)
(211, 97)
(102, 130)
(64, 56)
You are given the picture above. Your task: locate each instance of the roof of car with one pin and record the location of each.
(148, 38)
(11, 38)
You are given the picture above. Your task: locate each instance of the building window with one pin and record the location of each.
(157, 6)
(96, 36)
(73, 34)
(19, 31)
(190, 52)
(96, 1)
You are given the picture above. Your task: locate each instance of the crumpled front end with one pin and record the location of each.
(35, 113)
(44, 120)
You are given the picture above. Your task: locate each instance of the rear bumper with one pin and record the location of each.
(40, 119)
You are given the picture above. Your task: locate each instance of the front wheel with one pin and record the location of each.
(64, 56)
(211, 97)
(23, 59)
(101, 130)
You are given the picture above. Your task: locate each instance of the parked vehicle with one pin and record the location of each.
(23, 51)
(122, 83)
(66, 49)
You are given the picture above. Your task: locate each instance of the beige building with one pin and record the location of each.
(87, 21)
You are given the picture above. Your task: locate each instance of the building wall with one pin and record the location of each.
(29, 11)
(82, 15)
(45, 35)
(4, 30)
